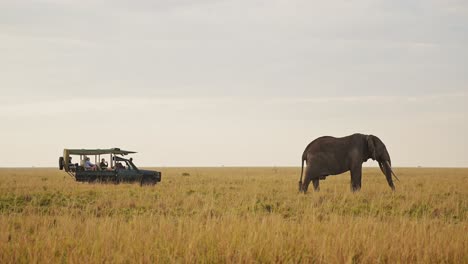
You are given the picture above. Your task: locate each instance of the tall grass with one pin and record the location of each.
(216, 215)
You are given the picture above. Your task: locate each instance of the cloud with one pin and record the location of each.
(371, 99)
(114, 105)
(117, 105)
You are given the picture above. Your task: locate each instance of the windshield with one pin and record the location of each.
(130, 166)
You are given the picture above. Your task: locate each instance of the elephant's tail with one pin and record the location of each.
(302, 171)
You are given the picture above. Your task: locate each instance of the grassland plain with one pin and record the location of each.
(225, 215)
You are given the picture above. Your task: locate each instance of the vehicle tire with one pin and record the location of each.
(94, 180)
(61, 161)
(147, 181)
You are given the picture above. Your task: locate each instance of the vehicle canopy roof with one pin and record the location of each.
(112, 151)
(97, 151)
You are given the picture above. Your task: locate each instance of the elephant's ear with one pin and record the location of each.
(371, 146)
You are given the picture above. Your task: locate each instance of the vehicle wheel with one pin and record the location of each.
(119, 180)
(93, 180)
(147, 181)
(61, 161)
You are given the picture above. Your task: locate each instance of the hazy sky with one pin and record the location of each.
(234, 83)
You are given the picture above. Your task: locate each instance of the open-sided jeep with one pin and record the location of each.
(119, 170)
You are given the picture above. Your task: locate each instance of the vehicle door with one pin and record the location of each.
(128, 173)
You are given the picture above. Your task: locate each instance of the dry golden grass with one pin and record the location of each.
(236, 215)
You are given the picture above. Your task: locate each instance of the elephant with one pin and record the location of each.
(331, 156)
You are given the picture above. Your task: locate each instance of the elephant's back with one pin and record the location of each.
(317, 145)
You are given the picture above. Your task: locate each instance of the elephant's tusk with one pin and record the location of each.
(388, 163)
(395, 176)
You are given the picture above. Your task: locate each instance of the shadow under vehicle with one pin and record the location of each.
(120, 169)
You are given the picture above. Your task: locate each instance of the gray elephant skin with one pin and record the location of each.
(331, 156)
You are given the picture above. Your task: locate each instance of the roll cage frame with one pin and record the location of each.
(71, 167)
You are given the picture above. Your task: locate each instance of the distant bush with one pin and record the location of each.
(185, 174)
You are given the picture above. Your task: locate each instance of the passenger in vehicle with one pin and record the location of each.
(103, 165)
(119, 166)
(71, 166)
(88, 165)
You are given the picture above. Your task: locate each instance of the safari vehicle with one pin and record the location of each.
(119, 170)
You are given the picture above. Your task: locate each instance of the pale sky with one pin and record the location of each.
(233, 83)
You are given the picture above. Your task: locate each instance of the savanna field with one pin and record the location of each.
(219, 215)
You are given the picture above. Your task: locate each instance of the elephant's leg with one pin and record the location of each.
(316, 183)
(356, 175)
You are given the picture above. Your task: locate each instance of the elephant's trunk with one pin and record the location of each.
(391, 170)
(385, 165)
(386, 169)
